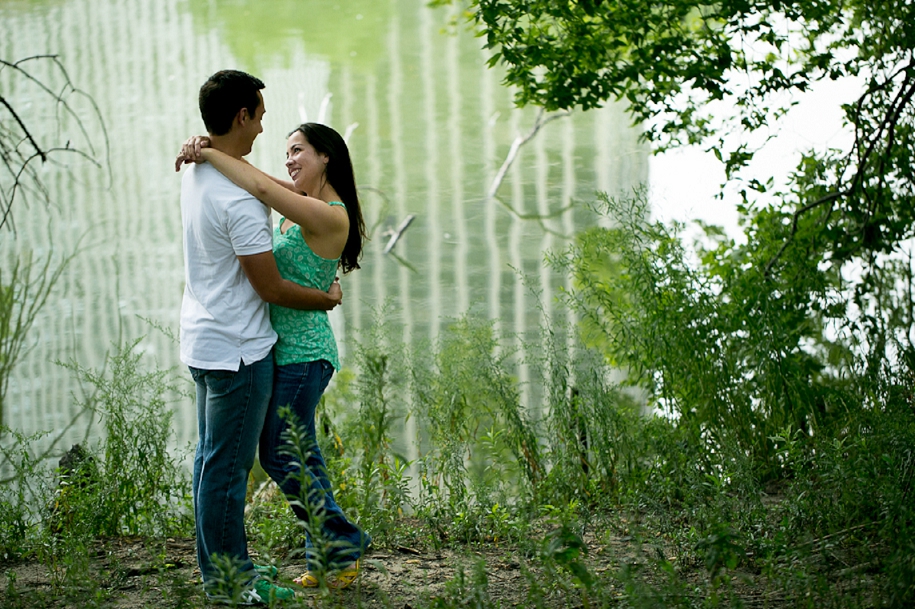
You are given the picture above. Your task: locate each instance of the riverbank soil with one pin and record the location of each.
(143, 574)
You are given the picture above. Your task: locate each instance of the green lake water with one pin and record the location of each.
(428, 125)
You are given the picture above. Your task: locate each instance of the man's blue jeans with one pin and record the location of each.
(300, 387)
(230, 416)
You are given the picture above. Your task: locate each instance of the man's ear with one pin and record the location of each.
(242, 117)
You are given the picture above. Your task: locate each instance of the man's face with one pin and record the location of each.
(253, 126)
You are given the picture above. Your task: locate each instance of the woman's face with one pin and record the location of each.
(304, 164)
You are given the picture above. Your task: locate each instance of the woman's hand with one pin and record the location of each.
(190, 151)
(335, 291)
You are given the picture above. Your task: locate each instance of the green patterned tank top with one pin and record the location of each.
(304, 336)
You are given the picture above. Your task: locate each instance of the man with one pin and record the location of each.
(226, 337)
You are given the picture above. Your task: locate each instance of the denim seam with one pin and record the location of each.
(287, 423)
(249, 378)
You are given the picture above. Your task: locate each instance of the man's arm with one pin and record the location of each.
(266, 280)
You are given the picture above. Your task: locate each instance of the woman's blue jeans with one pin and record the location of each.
(300, 387)
(230, 416)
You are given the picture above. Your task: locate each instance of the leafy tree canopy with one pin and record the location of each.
(714, 73)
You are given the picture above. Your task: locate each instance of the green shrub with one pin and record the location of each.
(141, 488)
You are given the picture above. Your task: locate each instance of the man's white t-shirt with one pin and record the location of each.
(223, 320)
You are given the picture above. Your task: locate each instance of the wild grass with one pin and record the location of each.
(707, 521)
(127, 483)
(705, 476)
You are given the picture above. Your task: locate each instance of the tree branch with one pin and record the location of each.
(17, 131)
(797, 214)
(887, 125)
(519, 141)
(25, 130)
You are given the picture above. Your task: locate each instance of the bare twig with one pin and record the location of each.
(820, 540)
(10, 139)
(67, 87)
(520, 140)
(44, 155)
(397, 232)
(25, 130)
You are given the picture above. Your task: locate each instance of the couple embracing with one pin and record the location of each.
(255, 332)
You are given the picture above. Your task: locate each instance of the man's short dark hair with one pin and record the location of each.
(223, 95)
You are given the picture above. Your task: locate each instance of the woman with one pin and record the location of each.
(318, 233)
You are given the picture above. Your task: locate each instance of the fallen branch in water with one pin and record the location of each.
(520, 140)
(396, 234)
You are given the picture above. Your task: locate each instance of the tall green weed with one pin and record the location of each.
(127, 483)
(481, 452)
(140, 488)
(727, 351)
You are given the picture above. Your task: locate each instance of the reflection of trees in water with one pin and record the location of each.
(433, 128)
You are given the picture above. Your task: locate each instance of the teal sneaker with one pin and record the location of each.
(260, 592)
(267, 593)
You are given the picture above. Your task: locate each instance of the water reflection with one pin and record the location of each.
(429, 126)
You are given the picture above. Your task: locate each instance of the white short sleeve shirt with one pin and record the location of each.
(223, 320)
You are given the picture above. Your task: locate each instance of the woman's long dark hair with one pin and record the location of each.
(340, 176)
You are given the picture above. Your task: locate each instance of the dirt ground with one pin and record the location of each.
(138, 574)
(401, 578)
